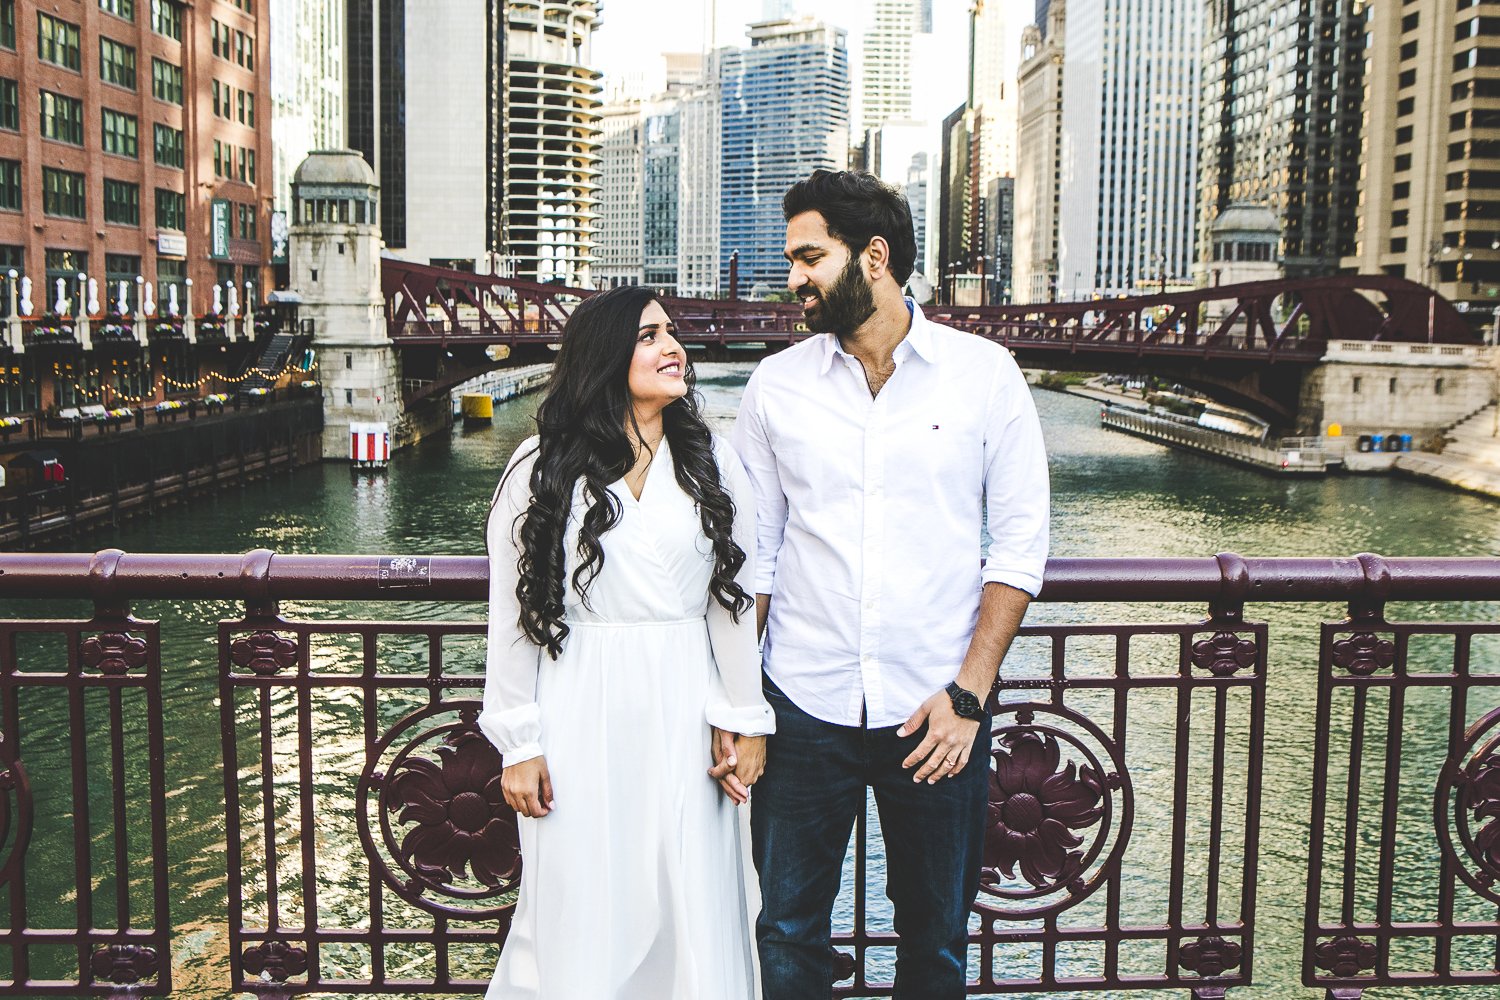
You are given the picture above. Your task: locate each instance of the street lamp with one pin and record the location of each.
(1435, 252)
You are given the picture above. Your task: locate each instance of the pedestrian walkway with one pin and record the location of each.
(1470, 459)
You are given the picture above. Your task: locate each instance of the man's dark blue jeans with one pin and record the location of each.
(803, 813)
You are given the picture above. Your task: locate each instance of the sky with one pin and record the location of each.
(634, 33)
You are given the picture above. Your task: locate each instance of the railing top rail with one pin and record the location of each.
(261, 576)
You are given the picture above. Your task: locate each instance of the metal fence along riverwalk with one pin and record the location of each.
(369, 849)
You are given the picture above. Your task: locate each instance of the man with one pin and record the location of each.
(875, 451)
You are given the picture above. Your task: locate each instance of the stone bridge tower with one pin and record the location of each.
(335, 268)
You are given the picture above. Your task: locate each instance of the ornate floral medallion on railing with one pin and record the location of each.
(113, 653)
(1059, 812)
(1210, 956)
(1224, 654)
(264, 653)
(1468, 803)
(124, 964)
(1345, 957)
(15, 811)
(458, 851)
(274, 960)
(1363, 653)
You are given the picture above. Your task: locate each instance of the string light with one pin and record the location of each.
(157, 386)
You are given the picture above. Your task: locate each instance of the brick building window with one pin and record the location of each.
(10, 185)
(64, 194)
(168, 145)
(119, 8)
(166, 18)
(57, 41)
(248, 227)
(119, 133)
(62, 118)
(116, 63)
(10, 104)
(166, 81)
(171, 210)
(122, 202)
(8, 24)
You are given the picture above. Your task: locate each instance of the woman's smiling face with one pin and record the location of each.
(658, 369)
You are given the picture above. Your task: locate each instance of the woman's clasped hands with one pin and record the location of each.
(527, 787)
(738, 762)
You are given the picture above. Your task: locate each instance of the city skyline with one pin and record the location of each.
(628, 49)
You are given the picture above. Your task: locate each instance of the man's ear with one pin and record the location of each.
(878, 257)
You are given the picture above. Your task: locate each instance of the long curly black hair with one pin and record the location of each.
(581, 425)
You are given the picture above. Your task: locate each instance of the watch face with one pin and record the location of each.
(965, 704)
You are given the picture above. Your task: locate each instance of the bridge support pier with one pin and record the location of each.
(361, 384)
(1372, 387)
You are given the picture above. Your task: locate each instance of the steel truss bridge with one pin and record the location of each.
(1247, 344)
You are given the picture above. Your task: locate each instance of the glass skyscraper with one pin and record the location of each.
(784, 112)
(1283, 98)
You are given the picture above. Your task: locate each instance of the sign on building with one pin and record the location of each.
(171, 244)
(280, 237)
(219, 229)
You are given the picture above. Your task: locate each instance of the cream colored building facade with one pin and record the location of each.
(1038, 160)
(1430, 190)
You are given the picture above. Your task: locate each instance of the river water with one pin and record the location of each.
(1113, 496)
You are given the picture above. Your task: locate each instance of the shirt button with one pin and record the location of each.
(870, 605)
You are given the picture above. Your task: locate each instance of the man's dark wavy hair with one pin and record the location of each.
(582, 439)
(857, 206)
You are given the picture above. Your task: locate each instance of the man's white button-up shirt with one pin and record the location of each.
(871, 511)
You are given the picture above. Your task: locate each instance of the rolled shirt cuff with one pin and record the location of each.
(515, 732)
(1030, 582)
(750, 720)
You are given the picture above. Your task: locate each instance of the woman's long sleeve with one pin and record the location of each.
(511, 718)
(738, 704)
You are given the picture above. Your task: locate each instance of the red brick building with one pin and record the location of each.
(122, 123)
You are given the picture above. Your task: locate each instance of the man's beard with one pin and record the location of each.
(846, 305)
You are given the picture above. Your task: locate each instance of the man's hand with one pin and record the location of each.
(738, 763)
(945, 749)
(751, 751)
(528, 787)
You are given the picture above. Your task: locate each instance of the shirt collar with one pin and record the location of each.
(918, 338)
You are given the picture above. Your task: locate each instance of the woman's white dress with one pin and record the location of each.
(632, 887)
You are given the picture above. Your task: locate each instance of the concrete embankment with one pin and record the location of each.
(1469, 461)
(116, 475)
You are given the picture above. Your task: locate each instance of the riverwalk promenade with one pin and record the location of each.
(1469, 459)
(75, 476)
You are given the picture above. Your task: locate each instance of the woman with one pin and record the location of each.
(621, 629)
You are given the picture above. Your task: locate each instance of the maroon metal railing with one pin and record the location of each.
(369, 850)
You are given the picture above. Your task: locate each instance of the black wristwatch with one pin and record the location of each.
(966, 704)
